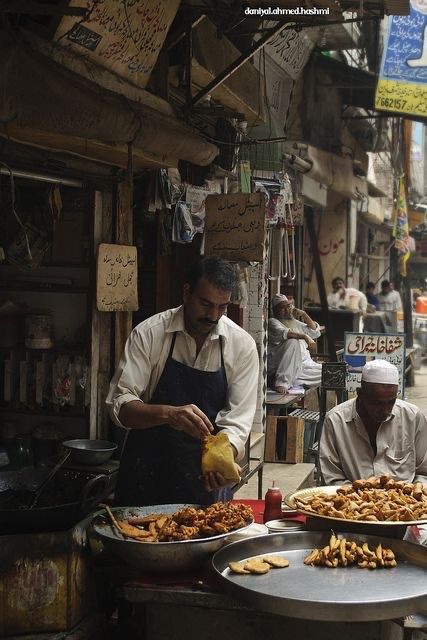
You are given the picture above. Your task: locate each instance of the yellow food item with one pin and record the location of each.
(218, 456)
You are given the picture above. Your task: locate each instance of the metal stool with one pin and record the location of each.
(334, 378)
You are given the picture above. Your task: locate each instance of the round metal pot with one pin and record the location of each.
(159, 557)
(91, 452)
(57, 517)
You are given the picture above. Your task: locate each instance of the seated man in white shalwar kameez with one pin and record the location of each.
(291, 335)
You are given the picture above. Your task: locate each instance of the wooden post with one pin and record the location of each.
(101, 327)
(124, 235)
(320, 283)
(105, 322)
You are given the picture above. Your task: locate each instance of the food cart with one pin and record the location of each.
(301, 601)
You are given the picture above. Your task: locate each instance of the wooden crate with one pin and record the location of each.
(294, 438)
(45, 581)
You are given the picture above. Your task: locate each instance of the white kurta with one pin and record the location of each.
(390, 301)
(288, 359)
(346, 453)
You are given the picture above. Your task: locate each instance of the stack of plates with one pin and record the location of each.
(283, 526)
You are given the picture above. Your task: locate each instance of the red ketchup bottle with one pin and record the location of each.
(273, 504)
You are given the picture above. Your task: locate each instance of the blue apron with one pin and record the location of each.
(161, 465)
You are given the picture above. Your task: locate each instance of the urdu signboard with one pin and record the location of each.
(235, 226)
(123, 36)
(359, 348)
(402, 84)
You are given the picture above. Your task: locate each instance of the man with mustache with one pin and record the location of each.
(185, 373)
(375, 433)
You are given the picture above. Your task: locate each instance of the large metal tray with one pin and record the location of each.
(331, 490)
(159, 557)
(320, 593)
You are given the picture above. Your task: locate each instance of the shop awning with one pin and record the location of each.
(357, 87)
(47, 105)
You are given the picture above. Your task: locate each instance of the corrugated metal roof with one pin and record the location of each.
(397, 7)
(336, 37)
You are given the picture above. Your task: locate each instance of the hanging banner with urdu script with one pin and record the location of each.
(402, 85)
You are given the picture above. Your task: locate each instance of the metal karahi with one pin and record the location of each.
(159, 557)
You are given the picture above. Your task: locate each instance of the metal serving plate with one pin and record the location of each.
(157, 556)
(320, 593)
(330, 491)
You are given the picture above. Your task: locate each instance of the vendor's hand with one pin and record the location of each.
(190, 419)
(312, 347)
(215, 480)
(341, 292)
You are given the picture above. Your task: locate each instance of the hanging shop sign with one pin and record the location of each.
(235, 226)
(359, 348)
(402, 84)
(116, 278)
(290, 49)
(124, 37)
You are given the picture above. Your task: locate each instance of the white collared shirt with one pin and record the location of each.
(147, 349)
(346, 453)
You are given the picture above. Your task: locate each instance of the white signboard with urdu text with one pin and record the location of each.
(360, 348)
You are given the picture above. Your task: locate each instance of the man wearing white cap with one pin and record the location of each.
(291, 335)
(375, 433)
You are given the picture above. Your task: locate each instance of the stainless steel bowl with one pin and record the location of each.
(159, 557)
(89, 452)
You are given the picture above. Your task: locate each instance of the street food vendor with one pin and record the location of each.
(185, 373)
(375, 433)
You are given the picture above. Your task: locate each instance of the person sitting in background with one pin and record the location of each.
(346, 297)
(389, 298)
(370, 295)
(291, 335)
(374, 434)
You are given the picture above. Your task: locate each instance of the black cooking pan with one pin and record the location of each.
(89, 452)
(81, 498)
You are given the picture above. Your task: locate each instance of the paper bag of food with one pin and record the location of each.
(218, 456)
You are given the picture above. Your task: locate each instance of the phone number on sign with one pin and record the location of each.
(391, 102)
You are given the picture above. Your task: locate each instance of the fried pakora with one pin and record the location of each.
(379, 499)
(186, 524)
